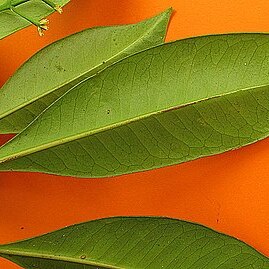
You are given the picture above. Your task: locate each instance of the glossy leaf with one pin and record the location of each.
(166, 105)
(18, 14)
(55, 69)
(129, 242)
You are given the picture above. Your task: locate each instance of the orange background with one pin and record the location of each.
(228, 192)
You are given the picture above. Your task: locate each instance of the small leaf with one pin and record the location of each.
(55, 69)
(18, 14)
(166, 105)
(134, 242)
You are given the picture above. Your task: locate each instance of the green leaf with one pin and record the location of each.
(166, 105)
(55, 69)
(18, 14)
(134, 242)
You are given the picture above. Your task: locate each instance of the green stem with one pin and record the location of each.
(7, 4)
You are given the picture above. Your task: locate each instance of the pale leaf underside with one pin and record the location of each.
(134, 243)
(55, 69)
(166, 105)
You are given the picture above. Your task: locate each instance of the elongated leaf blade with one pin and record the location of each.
(35, 10)
(166, 105)
(55, 69)
(134, 242)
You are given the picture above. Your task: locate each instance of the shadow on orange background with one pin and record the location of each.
(228, 192)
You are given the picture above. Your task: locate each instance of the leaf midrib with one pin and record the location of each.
(115, 125)
(56, 258)
(96, 69)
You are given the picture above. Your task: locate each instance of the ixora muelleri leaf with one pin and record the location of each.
(134, 242)
(18, 14)
(166, 105)
(55, 69)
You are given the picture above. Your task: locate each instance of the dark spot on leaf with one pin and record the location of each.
(108, 112)
(59, 68)
(22, 228)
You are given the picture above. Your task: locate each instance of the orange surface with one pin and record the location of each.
(228, 192)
